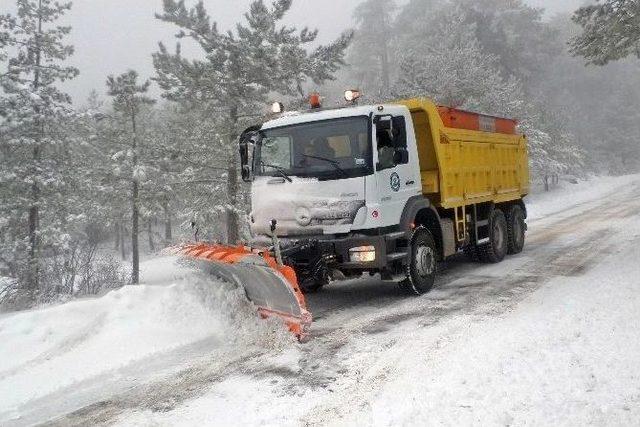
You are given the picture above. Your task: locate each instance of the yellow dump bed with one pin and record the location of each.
(460, 166)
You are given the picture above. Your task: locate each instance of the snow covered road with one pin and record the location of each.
(551, 336)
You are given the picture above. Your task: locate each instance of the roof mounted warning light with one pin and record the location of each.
(277, 107)
(352, 95)
(315, 101)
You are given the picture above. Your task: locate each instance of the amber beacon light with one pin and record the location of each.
(314, 100)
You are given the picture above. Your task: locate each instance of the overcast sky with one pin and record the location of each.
(111, 36)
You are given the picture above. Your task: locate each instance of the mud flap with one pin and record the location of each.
(272, 288)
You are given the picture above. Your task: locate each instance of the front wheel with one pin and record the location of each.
(421, 268)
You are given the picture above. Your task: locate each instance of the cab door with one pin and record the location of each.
(396, 164)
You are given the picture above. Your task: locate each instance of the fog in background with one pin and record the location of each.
(111, 36)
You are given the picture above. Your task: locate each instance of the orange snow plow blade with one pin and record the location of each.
(273, 288)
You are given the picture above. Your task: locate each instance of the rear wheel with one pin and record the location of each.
(421, 269)
(516, 228)
(495, 250)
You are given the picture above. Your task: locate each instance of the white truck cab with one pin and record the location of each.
(336, 182)
(327, 173)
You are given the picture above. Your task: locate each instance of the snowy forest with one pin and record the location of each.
(89, 186)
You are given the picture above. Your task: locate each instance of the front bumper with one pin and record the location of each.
(304, 253)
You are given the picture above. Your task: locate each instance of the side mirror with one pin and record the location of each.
(245, 169)
(245, 145)
(384, 124)
(401, 156)
(246, 173)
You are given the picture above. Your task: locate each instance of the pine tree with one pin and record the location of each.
(188, 182)
(238, 70)
(451, 66)
(33, 111)
(128, 100)
(513, 32)
(371, 51)
(611, 31)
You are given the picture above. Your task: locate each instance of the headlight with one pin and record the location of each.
(362, 254)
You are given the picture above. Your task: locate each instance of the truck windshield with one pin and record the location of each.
(328, 149)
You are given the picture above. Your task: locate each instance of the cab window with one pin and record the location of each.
(391, 142)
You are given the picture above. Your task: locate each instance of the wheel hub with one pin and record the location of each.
(424, 261)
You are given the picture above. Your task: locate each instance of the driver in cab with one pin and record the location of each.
(385, 150)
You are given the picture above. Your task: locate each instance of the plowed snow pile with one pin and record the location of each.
(58, 346)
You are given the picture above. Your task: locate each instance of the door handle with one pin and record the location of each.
(409, 182)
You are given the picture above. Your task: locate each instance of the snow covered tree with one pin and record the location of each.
(190, 178)
(238, 70)
(513, 32)
(604, 128)
(451, 66)
(7, 25)
(371, 52)
(611, 31)
(33, 111)
(128, 100)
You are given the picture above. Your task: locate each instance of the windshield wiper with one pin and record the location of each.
(334, 163)
(278, 169)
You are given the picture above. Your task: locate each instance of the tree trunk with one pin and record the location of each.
(233, 223)
(116, 236)
(34, 209)
(135, 209)
(168, 237)
(135, 217)
(546, 183)
(152, 246)
(123, 242)
(34, 222)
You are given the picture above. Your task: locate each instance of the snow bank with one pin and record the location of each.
(567, 195)
(46, 349)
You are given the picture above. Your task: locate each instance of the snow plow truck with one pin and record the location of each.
(387, 189)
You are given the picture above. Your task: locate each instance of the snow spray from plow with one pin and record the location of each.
(272, 287)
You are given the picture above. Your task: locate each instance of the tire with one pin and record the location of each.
(496, 249)
(311, 281)
(422, 264)
(516, 228)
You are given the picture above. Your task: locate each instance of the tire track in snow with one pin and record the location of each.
(489, 295)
